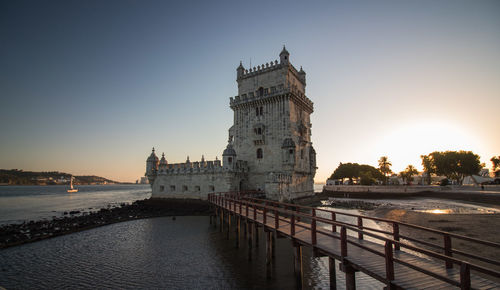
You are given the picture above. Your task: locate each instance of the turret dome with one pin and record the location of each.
(229, 151)
(163, 161)
(153, 157)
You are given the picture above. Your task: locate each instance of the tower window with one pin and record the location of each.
(230, 159)
(290, 151)
(162, 188)
(302, 154)
(261, 91)
(184, 188)
(259, 153)
(259, 111)
(172, 187)
(259, 131)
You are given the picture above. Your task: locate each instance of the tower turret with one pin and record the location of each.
(239, 71)
(229, 157)
(152, 166)
(302, 76)
(284, 56)
(163, 161)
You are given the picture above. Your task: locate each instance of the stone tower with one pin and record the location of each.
(272, 129)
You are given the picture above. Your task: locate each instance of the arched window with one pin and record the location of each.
(230, 159)
(259, 153)
(259, 131)
(261, 91)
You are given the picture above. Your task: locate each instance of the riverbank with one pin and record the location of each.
(492, 199)
(74, 221)
(479, 226)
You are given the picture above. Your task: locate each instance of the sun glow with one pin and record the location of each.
(404, 144)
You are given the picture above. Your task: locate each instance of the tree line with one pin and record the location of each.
(455, 165)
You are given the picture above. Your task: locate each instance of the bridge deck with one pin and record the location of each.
(411, 271)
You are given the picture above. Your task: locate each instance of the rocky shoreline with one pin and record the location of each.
(31, 231)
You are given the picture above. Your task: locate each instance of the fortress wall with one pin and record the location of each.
(193, 185)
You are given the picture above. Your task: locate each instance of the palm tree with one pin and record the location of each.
(407, 175)
(384, 166)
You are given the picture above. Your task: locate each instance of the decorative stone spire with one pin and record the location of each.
(239, 71)
(202, 158)
(302, 75)
(163, 161)
(153, 157)
(187, 160)
(284, 56)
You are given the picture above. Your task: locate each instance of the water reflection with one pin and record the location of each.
(186, 253)
(437, 211)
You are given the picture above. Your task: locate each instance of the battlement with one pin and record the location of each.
(270, 94)
(267, 67)
(213, 166)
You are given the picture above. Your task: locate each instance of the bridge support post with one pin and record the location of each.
(333, 277)
(245, 228)
(350, 276)
(273, 244)
(297, 265)
(229, 219)
(256, 235)
(221, 229)
(269, 253)
(238, 224)
(250, 240)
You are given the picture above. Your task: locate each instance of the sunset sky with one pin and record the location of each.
(88, 87)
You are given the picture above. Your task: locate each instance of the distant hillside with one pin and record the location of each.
(20, 177)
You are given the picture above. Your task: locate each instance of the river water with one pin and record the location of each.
(157, 253)
(21, 203)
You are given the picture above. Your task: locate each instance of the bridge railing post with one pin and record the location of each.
(292, 225)
(343, 242)
(334, 219)
(240, 204)
(447, 250)
(465, 276)
(276, 219)
(313, 227)
(389, 261)
(246, 208)
(360, 227)
(395, 235)
(254, 213)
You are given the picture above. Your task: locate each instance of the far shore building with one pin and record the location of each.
(269, 145)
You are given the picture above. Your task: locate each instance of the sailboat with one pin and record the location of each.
(71, 188)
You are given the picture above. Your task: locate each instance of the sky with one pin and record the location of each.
(88, 87)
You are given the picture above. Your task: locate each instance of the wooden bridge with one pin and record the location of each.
(398, 261)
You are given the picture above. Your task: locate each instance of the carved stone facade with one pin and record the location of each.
(269, 148)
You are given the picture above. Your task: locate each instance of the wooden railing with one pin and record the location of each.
(298, 216)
